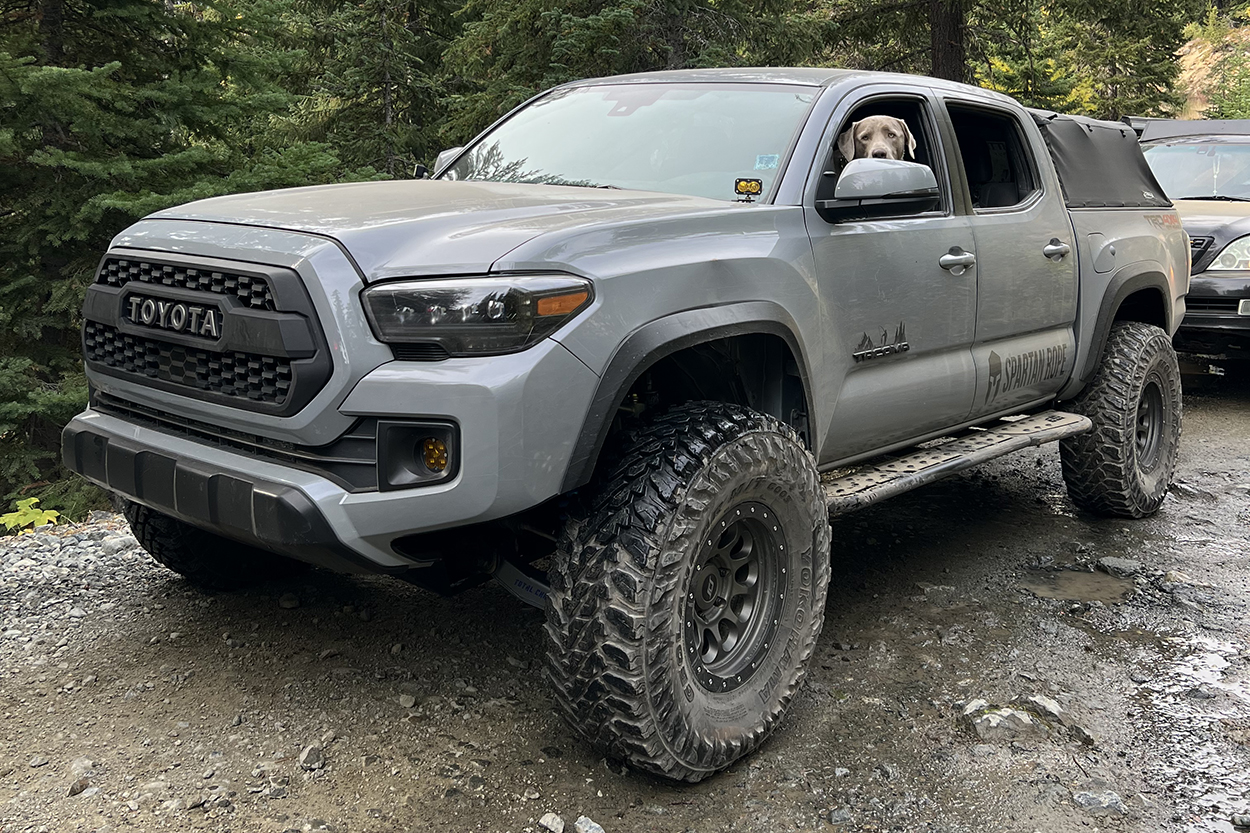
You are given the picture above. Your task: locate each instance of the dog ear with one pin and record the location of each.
(911, 140)
(846, 142)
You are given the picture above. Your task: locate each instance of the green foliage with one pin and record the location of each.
(1231, 96)
(1123, 53)
(1223, 35)
(109, 110)
(1100, 57)
(26, 515)
(510, 50)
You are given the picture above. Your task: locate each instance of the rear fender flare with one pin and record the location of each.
(1128, 281)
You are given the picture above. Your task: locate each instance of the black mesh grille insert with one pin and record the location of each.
(258, 378)
(351, 460)
(1195, 303)
(420, 352)
(249, 289)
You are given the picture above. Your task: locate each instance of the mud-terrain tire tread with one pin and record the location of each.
(205, 560)
(603, 612)
(1099, 467)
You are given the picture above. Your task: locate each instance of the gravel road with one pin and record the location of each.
(992, 660)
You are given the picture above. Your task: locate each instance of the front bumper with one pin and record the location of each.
(1217, 319)
(518, 418)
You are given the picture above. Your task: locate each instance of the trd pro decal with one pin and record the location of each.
(869, 349)
(1024, 370)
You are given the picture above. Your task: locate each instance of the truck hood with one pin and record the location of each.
(435, 227)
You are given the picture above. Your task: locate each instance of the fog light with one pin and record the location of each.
(416, 453)
(434, 454)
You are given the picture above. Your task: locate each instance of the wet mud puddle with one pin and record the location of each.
(1078, 586)
(1198, 708)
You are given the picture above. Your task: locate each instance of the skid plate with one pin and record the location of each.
(896, 475)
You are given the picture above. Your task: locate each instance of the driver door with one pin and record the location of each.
(899, 326)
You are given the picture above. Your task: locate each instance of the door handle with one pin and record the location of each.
(957, 261)
(1056, 249)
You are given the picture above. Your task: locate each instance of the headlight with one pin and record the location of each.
(475, 316)
(1236, 255)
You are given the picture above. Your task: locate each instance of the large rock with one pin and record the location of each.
(311, 758)
(1100, 803)
(1119, 567)
(552, 823)
(997, 723)
(1045, 708)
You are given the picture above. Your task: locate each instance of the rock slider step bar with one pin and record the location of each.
(978, 445)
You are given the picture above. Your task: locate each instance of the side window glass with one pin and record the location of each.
(996, 158)
(882, 128)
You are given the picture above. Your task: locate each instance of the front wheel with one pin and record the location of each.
(686, 602)
(1125, 465)
(208, 561)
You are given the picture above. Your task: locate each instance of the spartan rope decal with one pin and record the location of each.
(1024, 370)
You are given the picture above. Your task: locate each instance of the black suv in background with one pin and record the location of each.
(1204, 166)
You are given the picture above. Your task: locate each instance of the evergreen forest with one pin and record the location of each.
(111, 109)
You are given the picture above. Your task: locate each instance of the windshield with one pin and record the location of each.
(694, 139)
(1201, 170)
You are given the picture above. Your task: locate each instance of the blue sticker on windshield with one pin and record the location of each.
(766, 161)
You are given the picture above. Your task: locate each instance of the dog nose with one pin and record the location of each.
(878, 154)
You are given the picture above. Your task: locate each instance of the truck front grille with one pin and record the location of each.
(1198, 247)
(243, 335)
(1195, 303)
(253, 291)
(246, 375)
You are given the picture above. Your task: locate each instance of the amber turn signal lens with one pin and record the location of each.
(562, 304)
(434, 454)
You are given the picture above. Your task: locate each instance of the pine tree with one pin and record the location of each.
(367, 78)
(110, 109)
(511, 49)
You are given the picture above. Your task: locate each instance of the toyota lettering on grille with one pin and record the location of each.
(175, 316)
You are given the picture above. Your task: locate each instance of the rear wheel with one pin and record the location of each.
(686, 601)
(1125, 465)
(208, 561)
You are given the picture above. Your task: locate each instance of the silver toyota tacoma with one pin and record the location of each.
(627, 353)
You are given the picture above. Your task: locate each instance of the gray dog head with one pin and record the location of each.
(877, 137)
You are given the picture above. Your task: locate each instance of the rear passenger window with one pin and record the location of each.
(996, 158)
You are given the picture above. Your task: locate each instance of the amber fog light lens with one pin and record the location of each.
(412, 454)
(434, 454)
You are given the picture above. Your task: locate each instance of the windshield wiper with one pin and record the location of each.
(568, 184)
(1216, 198)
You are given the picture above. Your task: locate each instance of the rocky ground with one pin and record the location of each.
(993, 660)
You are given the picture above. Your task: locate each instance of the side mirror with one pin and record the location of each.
(878, 187)
(445, 158)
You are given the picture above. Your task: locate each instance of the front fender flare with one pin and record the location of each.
(662, 337)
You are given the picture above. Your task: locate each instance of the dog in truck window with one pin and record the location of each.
(877, 137)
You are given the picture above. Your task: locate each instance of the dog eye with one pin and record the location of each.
(892, 134)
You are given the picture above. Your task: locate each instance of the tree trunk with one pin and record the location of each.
(52, 30)
(388, 107)
(947, 28)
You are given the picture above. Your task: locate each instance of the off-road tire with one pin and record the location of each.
(1124, 466)
(207, 561)
(621, 627)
